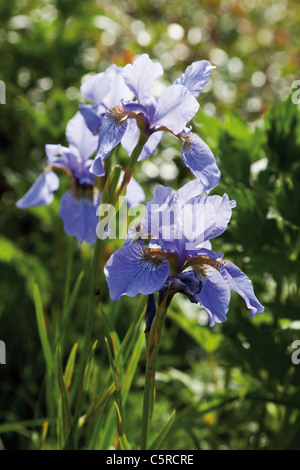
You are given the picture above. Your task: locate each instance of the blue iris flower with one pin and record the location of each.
(121, 118)
(79, 205)
(170, 251)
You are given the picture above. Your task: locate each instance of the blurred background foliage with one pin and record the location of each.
(233, 386)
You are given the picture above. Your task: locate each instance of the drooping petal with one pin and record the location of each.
(140, 76)
(175, 107)
(151, 145)
(111, 132)
(195, 76)
(79, 217)
(92, 117)
(129, 272)
(198, 157)
(97, 167)
(214, 296)
(239, 282)
(79, 136)
(41, 192)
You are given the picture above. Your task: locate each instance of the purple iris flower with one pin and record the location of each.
(125, 118)
(170, 251)
(78, 205)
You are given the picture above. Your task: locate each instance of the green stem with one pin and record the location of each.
(152, 347)
(94, 292)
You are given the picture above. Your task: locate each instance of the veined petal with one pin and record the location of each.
(151, 145)
(59, 156)
(112, 130)
(214, 296)
(79, 136)
(223, 210)
(191, 189)
(97, 167)
(195, 76)
(129, 272)
(41, 192)
(131, 137)
(239, 282)
(141, 75)
(96, 87)
(91, 116)
(79, 217)
(175, 107)
(106, 88)
(198, 157)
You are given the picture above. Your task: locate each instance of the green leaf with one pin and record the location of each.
(158, 441)
(89, 367)
(42, 327)
(69, 369)
(122, 436)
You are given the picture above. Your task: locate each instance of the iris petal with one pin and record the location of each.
(79, 217)
(239, 282)
(79, 136)
(195, 76)
(110, 135)
(140, 76)
(91, 116)
(176, 106)
(41, 192)
(198, 157)
(128, 272)
(214, 296)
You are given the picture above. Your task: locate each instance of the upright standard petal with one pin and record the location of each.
(214, 296)
(195, 76)
(97, 86)
(79, 136)
(141, 75)
(130, 271)
(198, 157)
(239, 282)
(41, 192)
(176, 106)
(79, 217)
(223, 211)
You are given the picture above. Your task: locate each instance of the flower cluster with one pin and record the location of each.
(169, 251)
(178, 257)
(78, 207)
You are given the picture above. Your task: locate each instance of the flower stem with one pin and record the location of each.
(152, 346)
(94, 291)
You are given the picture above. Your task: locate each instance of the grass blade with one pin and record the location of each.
(163, 433)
